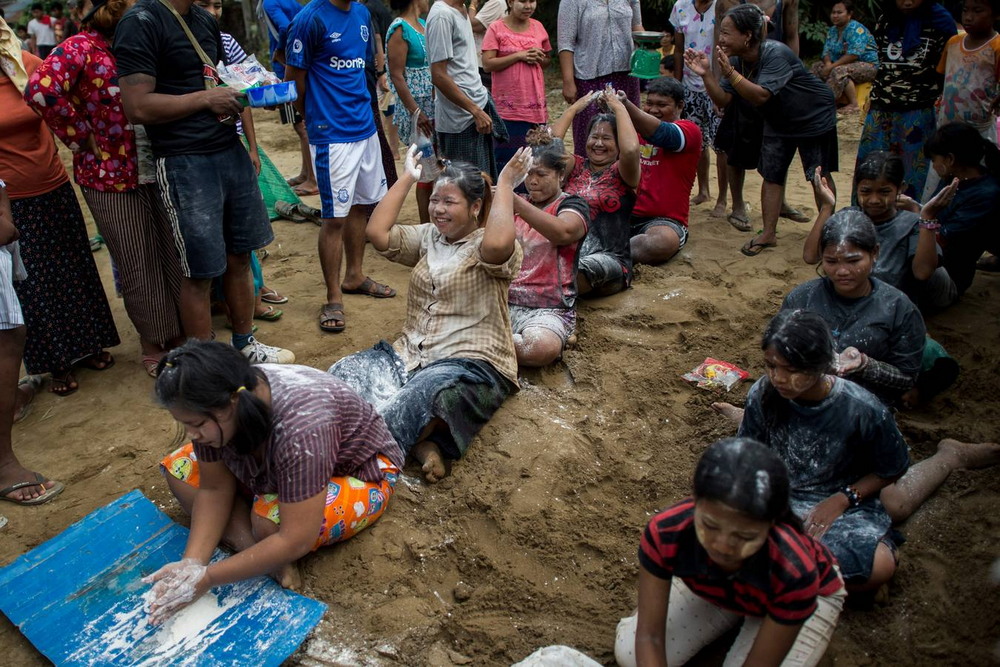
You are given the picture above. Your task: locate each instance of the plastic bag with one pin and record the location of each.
(247, 74)
(714, 374)
(425, 150)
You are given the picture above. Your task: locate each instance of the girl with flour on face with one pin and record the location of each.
(845, 455)
(732, 554)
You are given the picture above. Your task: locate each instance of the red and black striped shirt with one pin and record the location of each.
(782, 580)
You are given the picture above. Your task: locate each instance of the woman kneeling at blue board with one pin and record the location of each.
(282, 460)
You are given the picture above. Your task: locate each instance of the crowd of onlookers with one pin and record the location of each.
(514, 231)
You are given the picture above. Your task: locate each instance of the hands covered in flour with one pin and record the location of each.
(175, 586)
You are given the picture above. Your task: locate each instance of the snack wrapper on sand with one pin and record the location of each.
(714, 374)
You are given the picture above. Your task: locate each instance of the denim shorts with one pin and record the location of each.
(215, 208)
(643, 225)
(560, 321)
(776, 154)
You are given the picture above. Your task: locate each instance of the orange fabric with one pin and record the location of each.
(29, 162)
(351, 504)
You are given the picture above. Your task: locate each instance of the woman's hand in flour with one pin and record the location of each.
(850, 361)
(412, 165)
(822, 516)
(175, 585)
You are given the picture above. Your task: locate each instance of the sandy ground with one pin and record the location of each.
(532, 540)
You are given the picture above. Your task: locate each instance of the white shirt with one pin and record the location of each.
(45, 35)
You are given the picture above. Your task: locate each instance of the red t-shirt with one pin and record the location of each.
(668, 176)
(548, 272)
(781, 581)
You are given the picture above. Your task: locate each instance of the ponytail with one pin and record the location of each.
(963, 142)
(202, 377)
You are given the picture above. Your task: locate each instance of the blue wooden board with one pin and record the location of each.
(78, 599)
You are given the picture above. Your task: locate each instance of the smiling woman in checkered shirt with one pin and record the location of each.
(454, 363)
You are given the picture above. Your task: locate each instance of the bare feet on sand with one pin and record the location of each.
(701, 198)
(719, 211)
(431, 462)
(289, 577)
(971, 455)
(729, 411)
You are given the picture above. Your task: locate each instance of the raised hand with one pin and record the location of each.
(696, 61)
(411, 165)
(824, 195)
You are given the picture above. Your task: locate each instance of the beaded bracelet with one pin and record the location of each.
(853, 497)
(930, 224)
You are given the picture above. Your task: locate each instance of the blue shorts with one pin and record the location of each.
(215, 208)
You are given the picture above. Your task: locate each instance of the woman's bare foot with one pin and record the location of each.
(289, 577)
(970, 455)
(729, 411)
(431, 462)
(701, 198)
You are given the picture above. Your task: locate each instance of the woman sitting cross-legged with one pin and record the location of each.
(454, 364)
(550, 225)
(733, 555)
(282, 460)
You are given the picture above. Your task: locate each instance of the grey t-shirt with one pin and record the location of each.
(449, 37)
(885, 324)
(800, 104)
(897, 241)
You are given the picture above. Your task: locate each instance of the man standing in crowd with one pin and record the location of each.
(277, 16)
(466, 121)
(169, 85)
(328, 47)
(41, 34)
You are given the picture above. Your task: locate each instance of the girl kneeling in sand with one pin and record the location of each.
(735, 551)
(282, 460)
(842, 448)
(454, 364)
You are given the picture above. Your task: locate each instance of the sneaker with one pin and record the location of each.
(258, 353)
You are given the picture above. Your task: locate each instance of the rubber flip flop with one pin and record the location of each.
(754, 247)
(740, 222)
(270, 314)
(271, 296)
(795, 215)
(49, 494)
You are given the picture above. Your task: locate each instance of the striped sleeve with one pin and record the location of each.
(794, 577)
(658, 547)
(232, 49)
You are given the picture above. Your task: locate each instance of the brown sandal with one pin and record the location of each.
(332, 312)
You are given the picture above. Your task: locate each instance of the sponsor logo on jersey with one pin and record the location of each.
(335, 36)
(341, 63)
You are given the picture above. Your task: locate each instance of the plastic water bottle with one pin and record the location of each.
(426, 156)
